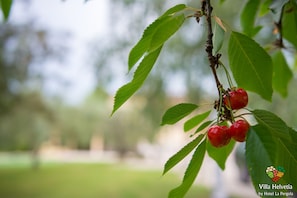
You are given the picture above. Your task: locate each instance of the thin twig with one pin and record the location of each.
(223, 112)
(213, 60)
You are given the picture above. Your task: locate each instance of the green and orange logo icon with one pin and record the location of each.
(275, 173)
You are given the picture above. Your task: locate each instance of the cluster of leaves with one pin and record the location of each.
(248, 60)
(148, 49)
(270, 141)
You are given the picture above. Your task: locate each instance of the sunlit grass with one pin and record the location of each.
(88, 181)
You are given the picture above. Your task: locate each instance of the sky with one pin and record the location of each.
(84, 22)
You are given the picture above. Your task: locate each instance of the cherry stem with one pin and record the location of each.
(228, 75)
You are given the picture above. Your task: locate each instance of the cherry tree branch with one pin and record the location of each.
(224, 113)
(206, 9)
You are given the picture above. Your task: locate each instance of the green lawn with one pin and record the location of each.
(88, 181)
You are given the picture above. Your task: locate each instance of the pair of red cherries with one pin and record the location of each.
(221, 135)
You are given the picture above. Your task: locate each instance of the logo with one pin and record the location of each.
(275, 173)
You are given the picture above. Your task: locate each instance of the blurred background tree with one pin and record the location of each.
(24, 115)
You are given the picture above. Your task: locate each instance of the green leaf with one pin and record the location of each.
(282, 74)
(273, 123)
(177, 112)
(191, 172)
(263, 150)
(279, 145)
(290, 23)
(191, 123)
(165, 31)
(6, 7)
(203, 126)
(248, 17)
(264, 7)
(149, 47)
(174, 9)
(141, 73)
(220, 155)
(181, 154)
(250, 64)
(144, 43)
(293, 144)
(259, 145)
(286, 156)
(218, 38)
(293, 135)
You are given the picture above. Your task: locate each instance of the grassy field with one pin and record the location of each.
(88, 181)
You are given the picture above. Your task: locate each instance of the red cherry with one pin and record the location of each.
(218, 135)
(237, 99)
(238, 130)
